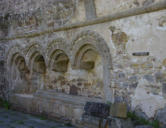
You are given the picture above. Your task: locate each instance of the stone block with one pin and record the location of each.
(118, 110)
(90, 9)
(161, 116)
(164, 90)
(159, 77)
(148, 2)
(149, 78)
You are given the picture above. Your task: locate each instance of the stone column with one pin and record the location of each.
(90, 9)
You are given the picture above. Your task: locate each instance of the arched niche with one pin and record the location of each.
(18, 71)
(86, 57)
(59, 61)
(90, 51)
(19, 74)
(39, 64)
(58, 55)
(35, 57)
(38, 71)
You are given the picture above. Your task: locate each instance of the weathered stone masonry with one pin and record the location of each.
(60, 54)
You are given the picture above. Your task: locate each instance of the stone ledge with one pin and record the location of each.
(131, 12)
(71, 99)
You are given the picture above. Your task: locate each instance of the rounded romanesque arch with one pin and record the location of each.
(36, 61)
(34, 52)
(18, 70)
(86, 47)
(58, 53)
(95, 40)
(14, 50)
(85, 57)
(58, 56)
(58, 61)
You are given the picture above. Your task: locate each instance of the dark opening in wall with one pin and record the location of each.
(61, 63)
(141, 54)
(39, 64)
(86, 57)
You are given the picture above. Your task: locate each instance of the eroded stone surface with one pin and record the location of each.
(47, 70)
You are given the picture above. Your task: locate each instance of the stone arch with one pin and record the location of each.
(18, 70)
(85, 57)
(58, 61)
(91, 41)
(36, 61)
(33, 53)
(14, 50)
(58, 53)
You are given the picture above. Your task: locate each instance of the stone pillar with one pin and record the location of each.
(90, 9)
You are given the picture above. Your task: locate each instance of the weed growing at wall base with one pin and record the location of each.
(4, 104)
(141, 121)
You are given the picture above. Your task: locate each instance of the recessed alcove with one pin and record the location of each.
(20, 74)
(39, 65)
(38, 72)
(59, 61)
(88, 68)
(86, 57)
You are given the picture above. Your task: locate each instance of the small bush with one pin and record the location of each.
(141, 121)
(4, 104)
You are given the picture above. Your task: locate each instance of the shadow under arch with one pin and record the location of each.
(58, 61)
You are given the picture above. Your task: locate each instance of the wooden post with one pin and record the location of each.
(106, 124)
(100, 123)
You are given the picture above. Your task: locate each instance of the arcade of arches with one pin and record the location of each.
(56, 55)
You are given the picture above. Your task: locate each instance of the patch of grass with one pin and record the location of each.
(4, 104)
(141, 121)
(31, 127)
(43, 118)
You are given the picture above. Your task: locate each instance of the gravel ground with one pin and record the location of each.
(13, 119)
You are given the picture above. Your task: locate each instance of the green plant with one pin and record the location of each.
(109, 103)
(5, 104)
(43, 118)
(141, 121)
(155, 124)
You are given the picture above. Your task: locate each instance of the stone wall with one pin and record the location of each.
(3, 81)
(107, 51)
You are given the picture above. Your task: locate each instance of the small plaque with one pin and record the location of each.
(118, 110)
(141, 54)
(97, 109)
